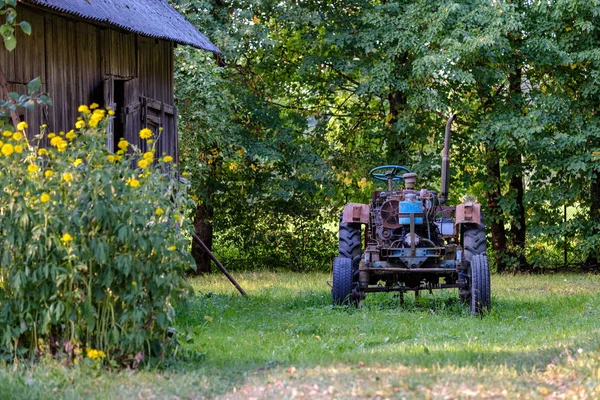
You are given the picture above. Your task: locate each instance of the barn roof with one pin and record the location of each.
(153, 18)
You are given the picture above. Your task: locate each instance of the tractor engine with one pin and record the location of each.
(402, 222)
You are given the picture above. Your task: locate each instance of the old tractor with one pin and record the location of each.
(412, 242)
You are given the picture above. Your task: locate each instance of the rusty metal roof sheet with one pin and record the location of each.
(153, 18)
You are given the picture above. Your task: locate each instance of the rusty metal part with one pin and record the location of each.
(442, 271)
(389, 214)
(410, 180)
(411, 288)
(355, 213)
(468, 213)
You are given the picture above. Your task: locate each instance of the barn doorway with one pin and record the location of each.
(120, 111)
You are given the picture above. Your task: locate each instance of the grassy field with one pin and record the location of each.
(541, 340)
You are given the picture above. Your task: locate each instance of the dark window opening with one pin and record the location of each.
(119, 121)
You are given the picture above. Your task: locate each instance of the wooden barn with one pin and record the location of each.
(115, 53)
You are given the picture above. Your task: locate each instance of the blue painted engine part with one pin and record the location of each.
(411, 205)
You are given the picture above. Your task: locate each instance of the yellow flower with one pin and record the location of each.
(77, 162)
(79, 124)
(55, 141)
(134, 283)
(133, 182)
(93, 106)
(111, 112)
(44, 198)
(18, 148)
(160, 211)
(177, 217)
(42, 152)
(17, 136)
(51, 135)
(172, 248)
(1, 144)
(347, 181)
(32, 168)
(168, 159)
(142, 163)
(232, 166)
(84, 109)
(66, 238)
(71, 135)
(7, 133)
(149, 156)
(123, 144)
(95, 354)
(67, 177)
(22, 125)
(362, 183)
(145, 133)
(48, 173)
(111, 158)
(62, 146)
(149, 141)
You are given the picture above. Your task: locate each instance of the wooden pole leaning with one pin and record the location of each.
(218, 264)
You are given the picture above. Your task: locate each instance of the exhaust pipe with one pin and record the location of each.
(446, 162)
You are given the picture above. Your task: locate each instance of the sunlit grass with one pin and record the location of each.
(541, 338)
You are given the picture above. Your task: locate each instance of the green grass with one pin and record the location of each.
(542, 339)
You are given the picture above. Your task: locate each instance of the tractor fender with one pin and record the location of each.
(468, 213)
(356, 213)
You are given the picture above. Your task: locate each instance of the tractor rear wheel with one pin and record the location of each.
(341, 289)
(480, 284)
(350, 246)
(350, 242)
(474, 244)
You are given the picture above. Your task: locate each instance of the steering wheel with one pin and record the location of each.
(388, 172)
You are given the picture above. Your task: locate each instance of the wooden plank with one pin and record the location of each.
(159, 105)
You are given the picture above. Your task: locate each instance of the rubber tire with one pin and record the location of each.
(350, 246)
(350, 241)
(341, 289)
(474, 243)
(481, 293)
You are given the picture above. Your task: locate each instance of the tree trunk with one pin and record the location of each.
(204, 229)
(592, 259)
(516, 187)
(496, 216)
(398, 103)
(518, 227)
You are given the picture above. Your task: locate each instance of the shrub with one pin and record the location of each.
(92, 250)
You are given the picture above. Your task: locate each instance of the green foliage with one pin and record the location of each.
(92, 251)
(7, 29)
(341, 87)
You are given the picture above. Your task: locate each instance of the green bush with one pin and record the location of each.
(91, 250)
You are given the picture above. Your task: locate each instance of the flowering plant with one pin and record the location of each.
(91, 250)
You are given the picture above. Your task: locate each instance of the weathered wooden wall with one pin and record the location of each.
(77, 60)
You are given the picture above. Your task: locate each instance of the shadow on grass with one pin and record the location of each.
(277, 330)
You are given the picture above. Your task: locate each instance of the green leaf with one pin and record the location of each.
(25, 27)
(34, 85)
(10, 43)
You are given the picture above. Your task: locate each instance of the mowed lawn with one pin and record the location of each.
(541, 340)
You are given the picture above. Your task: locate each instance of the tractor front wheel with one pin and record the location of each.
(480, 285)
(341, 290)
(474, 244)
